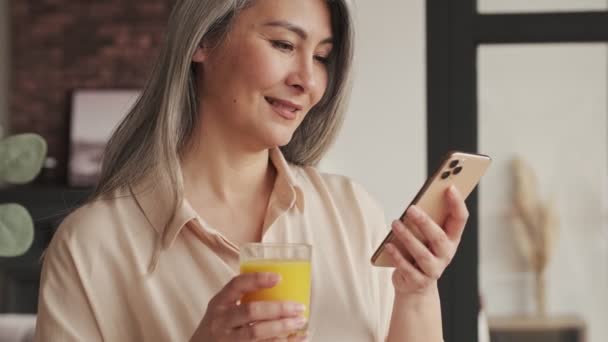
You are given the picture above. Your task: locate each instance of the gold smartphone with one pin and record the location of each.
(461, 169)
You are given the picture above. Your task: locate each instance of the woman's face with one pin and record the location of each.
(259, 83)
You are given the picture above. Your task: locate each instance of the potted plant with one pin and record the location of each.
(21, 158)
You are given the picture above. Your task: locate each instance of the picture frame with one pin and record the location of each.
(95, 114)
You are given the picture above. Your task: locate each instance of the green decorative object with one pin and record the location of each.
(21, 158)
(16, 230)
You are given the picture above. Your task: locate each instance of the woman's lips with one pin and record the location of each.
(284, 108)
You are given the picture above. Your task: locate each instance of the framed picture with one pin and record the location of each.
(94, 116)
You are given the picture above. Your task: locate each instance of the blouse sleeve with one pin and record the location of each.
(64, 310)
(382, 285)
(385, 292)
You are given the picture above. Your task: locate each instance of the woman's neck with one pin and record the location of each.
(223, 171)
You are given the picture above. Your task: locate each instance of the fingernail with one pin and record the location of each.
(396, 224)
(299, 308)
(275, 278)
(299, 322)
(413, 212)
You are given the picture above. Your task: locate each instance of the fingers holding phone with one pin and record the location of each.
(408, 277)
(441, 237)
(426, 261)
(459, 171)
(458, 214)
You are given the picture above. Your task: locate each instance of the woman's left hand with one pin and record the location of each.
(429, 260)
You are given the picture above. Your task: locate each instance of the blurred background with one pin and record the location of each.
(523, 81)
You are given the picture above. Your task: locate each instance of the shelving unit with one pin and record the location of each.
(537, 329)
(20, 276)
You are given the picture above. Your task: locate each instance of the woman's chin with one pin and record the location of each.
(275, 139)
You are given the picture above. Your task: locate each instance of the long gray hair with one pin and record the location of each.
(154, 134)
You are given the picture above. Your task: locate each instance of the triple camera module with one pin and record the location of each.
(454, 169)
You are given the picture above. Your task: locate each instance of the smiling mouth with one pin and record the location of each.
(280, 104)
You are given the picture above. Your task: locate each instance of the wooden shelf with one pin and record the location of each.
(566, 328)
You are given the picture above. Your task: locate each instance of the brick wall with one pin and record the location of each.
(61, 45)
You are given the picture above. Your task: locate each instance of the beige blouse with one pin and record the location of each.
(112, 273)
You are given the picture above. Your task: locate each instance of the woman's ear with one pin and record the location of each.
(201, 53)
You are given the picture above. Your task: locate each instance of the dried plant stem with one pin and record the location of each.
(541, 297)
(535, 227)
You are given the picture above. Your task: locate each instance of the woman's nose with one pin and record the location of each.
(302, 76)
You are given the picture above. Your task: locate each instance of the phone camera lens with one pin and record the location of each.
(445, 175)
(457, 170)
(453, 163)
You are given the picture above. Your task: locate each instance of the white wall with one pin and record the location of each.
(4, 62)
(547, 104)
(383, 143)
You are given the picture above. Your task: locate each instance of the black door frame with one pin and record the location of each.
(454, 31)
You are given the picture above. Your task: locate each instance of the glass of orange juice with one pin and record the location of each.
(291, 261)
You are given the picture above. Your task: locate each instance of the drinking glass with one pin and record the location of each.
(291, 261)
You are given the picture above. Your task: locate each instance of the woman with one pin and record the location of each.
(219, 151)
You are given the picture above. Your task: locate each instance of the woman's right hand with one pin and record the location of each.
(226, 320)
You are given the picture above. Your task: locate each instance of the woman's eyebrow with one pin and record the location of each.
(296, 29)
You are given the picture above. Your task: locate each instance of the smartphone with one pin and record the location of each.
(461, 169)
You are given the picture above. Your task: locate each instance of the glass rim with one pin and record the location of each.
(275, 250)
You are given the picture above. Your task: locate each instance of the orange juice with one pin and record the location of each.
(294, 285)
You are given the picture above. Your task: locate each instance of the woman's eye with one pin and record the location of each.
(322, 59)
(281, 45)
